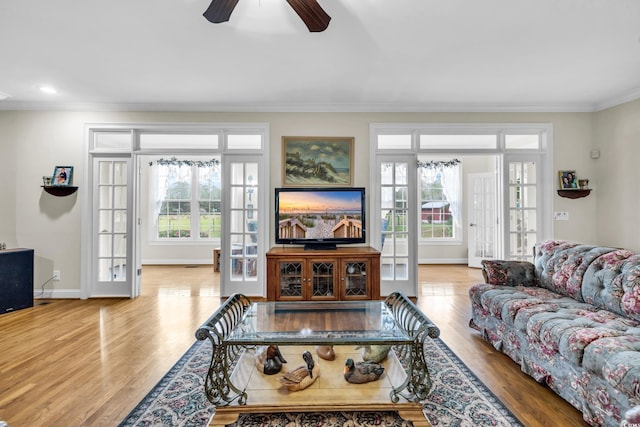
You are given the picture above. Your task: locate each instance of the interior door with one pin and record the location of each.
(397, 211)
(483, 218)
(112, 228)
(242, 267)
(136, 287)
(523, 209)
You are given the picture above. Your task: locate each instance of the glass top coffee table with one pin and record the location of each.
(239, 326)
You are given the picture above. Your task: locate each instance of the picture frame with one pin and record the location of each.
(568, 180)
(62, 176)
(317, 161)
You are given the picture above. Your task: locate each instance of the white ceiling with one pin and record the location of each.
(376, 55)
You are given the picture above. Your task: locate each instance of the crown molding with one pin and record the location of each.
(613, 102)
(297, 108)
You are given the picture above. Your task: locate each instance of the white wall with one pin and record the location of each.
(33, 142)
(8, 188)
(617, 136)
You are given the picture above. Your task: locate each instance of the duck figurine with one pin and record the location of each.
(325, 352)
(362, 372)
(270, 360)
(303, 376)
(374, 353)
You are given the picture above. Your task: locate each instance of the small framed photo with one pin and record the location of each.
(568, 180)
(317, 161)
(62, 175)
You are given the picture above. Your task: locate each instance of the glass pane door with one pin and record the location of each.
(482, 215)
(323, 280)
(394, 214)
(111, 228)
(291, 279)
(242, 272)
(523, 209)
(355, 279)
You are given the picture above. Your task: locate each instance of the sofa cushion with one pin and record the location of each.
(612, 282)
(504, 302)
(617, 360)
(560, 266)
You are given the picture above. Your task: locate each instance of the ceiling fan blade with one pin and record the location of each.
(220, 10)
(311, 13)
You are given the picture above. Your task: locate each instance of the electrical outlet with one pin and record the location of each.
(561, 216)
(56, 275)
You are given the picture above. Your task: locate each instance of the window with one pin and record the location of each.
(458, 141)
(439, 196)
(187, 196)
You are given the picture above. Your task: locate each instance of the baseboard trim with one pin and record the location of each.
(178, 261)
(56, 294)
(444, 261)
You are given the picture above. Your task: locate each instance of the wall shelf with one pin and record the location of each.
(60, 190)
(574, 194)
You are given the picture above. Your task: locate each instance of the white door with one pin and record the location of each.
(523, 221)
(483, 218)
(241, 268)
(137, 230)
(111, 228)
(397, 211)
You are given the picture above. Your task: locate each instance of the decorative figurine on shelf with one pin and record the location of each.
(325, 352)
(362, 372)
(374, 353)
(269, 360)
(303, 376)
(583, 184)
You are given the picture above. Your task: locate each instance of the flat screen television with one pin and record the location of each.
(320, 218)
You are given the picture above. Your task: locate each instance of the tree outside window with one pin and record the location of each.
(187, 202)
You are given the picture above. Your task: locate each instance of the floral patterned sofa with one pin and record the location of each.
(571, 320)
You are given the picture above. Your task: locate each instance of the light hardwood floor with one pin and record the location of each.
(88, 363)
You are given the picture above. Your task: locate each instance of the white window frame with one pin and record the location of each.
(194, 238)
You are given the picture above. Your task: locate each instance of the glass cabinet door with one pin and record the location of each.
(323, 280)
(355, 279)
(291, 279)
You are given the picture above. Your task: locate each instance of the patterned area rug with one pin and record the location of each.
(458, 399)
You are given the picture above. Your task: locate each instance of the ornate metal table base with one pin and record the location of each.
(222, 392)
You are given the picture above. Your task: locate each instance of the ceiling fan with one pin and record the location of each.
(311, 13)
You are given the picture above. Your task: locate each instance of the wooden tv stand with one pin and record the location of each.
(344, 274)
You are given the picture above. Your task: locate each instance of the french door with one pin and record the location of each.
(244, 241)
(111, 244)
(397, 213)
(482, 232)
(523, 208)
(112, 222)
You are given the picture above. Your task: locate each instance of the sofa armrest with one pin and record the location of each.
(509, 273)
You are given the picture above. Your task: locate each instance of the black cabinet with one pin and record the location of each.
(16, 279)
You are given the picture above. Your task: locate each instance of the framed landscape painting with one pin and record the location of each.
(317, 161)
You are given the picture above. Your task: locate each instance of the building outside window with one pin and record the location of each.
(440, 199)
